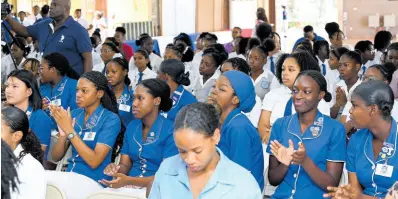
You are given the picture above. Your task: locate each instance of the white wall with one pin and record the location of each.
(178, 16)
(242, 13)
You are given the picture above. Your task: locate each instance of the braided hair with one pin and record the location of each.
(61, 64)
(9, 175)
(239, 64)
(17, 120)
(320, 80)
(387, 70)
(215, 55)
(125, 66)
(109, 102)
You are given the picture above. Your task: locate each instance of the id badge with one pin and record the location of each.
(56, 102)
(89, 136)
(124, 107)
(384, 170)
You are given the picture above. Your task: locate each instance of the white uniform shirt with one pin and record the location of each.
(265, 82)
(31, 174)
(276, 57)
(202, 89)
(153, 58)
(320, 65)
(254, 115)
(234, 54)
(193, 76)
(82, 22)
(276, 100)
(343, 85)
(147, 74)
(7, 66)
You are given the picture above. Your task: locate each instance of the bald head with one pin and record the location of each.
(60, 9)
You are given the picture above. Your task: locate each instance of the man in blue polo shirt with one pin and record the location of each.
(309, 35)
(60, 33)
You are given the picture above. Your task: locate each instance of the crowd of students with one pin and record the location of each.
(229, 120)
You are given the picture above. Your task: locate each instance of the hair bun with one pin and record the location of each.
(386, 108)
(327, 97)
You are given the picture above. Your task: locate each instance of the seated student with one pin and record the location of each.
(273, 56)
(211, 60)
(307, 149)
(240, 140)
(201, 170)
(236, 32)
(109, 50)
(392, 56)
(336, 36)
(148, 140)
(116, 73)
(22, 92)
(145, 42)
(371, 153)
(332, 75)
(20, 49)
(310, 35)
(367, 52)
(264, 80)
(321, 50)
(376, 72)
(172, 72)
(126, 50)
(16, 133)
(349, 65)
(278, 102)
(91, 130)
(59, 83)
(143, 68)
(239, 65)
(381, 43)
(184, 54)
(240, 44)
(33, 65)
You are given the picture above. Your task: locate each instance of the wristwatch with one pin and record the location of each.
(71, 135)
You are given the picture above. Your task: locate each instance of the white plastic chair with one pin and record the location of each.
(54, 140)
(113, 195)
(64, 160)
(54, 192)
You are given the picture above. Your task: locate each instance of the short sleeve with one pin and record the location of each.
(35, 29)
(268, 102)
(109, 130)
(83, 40)
(275, 131)
(127, 135)
(337, 144)
(240, 147)
(155, 190)
(351, 153)
(41, 127)
(169, 148)
(274, 83)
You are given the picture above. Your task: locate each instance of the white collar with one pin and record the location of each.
(215, 76)
(18, 150)
(264, 74)
(145, 72)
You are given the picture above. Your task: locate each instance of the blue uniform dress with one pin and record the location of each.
(71, 40)
(229, 180)
(375, 176)
(324, 141)
(241, 143)
(181, 98)
(64, 94)
(147, 155)
(102, 127)
(125, 102)
(40, 124)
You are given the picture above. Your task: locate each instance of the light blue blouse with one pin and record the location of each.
(229, 180)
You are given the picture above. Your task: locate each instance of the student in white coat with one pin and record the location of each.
(349, 66)
(211, 60)
(264, 80)
(16, 133)
(20, 49)
(278, 102)
(143, 69)
(146, 42)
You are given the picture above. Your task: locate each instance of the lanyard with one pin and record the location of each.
(61, 89)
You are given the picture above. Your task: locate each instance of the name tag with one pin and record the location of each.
(89, 136)
(124, 107)
(384, 170)
(56, 102)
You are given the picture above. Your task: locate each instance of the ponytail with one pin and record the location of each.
(109, 102)
(31, 145)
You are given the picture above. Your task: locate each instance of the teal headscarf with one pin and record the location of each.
(244, 89)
